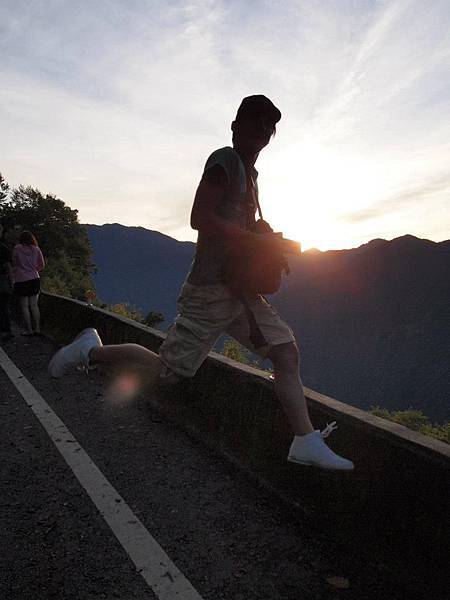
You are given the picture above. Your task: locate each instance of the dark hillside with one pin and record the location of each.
(139, 266)
(373, 322)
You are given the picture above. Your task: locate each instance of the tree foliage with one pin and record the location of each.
(416, 420)
(124, 309)
(62, 239)
(153, 318)
(234, 350)
(4, 189)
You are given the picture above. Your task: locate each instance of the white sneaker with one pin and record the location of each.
(310, 449)
(76, 354)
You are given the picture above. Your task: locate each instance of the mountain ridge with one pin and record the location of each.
(371, 321)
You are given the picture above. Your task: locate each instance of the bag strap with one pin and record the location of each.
(251, 183)
(255, 196)
(255, 334)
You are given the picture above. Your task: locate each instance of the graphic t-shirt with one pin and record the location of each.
(237, 206)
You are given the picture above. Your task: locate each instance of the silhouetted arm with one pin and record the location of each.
(210, 194)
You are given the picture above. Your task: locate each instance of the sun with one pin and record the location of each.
(309, 189)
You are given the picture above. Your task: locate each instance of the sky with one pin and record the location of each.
(115, 106)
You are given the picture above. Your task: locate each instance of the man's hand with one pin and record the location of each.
(290, 247)
(260, 241)
(272, 241)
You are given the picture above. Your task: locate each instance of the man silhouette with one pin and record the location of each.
(223, 213)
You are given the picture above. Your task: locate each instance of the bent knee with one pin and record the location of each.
(284, 355)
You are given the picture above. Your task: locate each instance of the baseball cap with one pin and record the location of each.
(258, 106)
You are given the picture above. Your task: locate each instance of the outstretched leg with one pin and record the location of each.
(87, 350)
(127, 355)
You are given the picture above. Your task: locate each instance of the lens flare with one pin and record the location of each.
(123, 388)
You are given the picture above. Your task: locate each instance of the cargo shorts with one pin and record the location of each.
(206, 312)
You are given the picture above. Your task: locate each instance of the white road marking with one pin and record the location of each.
(159, 572)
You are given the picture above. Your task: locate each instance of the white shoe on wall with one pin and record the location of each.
(310, 449)
(76, 354)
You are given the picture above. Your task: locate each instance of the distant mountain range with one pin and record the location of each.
(139, 266)
(373, 323)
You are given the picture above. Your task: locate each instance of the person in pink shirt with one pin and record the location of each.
(27, 261)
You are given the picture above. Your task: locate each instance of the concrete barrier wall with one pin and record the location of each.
(397, 497)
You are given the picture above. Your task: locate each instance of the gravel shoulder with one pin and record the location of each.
(229, 537)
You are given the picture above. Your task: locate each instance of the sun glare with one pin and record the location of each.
(309, 189)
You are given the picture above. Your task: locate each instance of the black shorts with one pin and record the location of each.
(27, 288)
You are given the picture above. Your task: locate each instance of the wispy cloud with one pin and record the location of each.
(115, 106)
(404, 199)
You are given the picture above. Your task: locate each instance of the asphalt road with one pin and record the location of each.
(228, 537)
